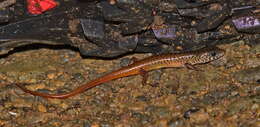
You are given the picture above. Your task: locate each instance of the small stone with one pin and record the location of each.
(78, 76)
(64, 105)
(193, 23)
(56, 124)
(199, 117)
(169, 100)
(51, 76)
(175, 123)
(227, 26)
(255, 107)
(250, 75)
(142, 98)
(2, 122)
(126, 61)
(162, 123)
(32, 80)
(121, 125)
(234, 93)
(138, 106)
(95, 125)
(256, 124)
(86, 124)
(35, 86)
(112, 2)
(215, 7)
(54, 101)
(58, 83)
(18, 103)
(160, 111)
(187, 114)
(42, 108)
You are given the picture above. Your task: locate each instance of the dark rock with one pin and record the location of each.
(143, 118)
(142, 98)
(186, 114)
(113, 13)
(216, 95)
(190, 3)
(78, 77)
(248, 24)
(136, 26)
(125, 62)
(165, 33)
(213, 21)
(93, 29)
(158, 111)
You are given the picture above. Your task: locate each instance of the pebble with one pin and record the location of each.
(2, 122)
(18, 103)
(54, 101)
(169, 100)
(32, 80)
(64, 105)
(158, 111)
(58, 83)
(161, 123)
(250, 75)
(142, 118)
(255, 107)
(138, 106)
(95, 125)
(175, 123)
(51, 75)
(78, 77)
(214, 96)
(86, 124)
(42, 108)
(125, 62)
(142, 98)
(122, 125)
(187, 114)
(199, 117)
(35, 86)
(235, 107)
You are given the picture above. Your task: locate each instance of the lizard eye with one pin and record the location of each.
(213, 53)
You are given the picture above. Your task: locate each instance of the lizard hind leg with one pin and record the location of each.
(133, 60)
(144, 74)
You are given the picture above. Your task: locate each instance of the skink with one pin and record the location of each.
(187, 59)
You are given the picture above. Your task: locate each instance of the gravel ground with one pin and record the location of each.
(225, 94)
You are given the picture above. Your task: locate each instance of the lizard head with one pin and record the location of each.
(209, 54)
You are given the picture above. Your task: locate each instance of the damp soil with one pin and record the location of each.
(225, 93)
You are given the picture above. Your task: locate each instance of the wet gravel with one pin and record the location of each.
(226, 93)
